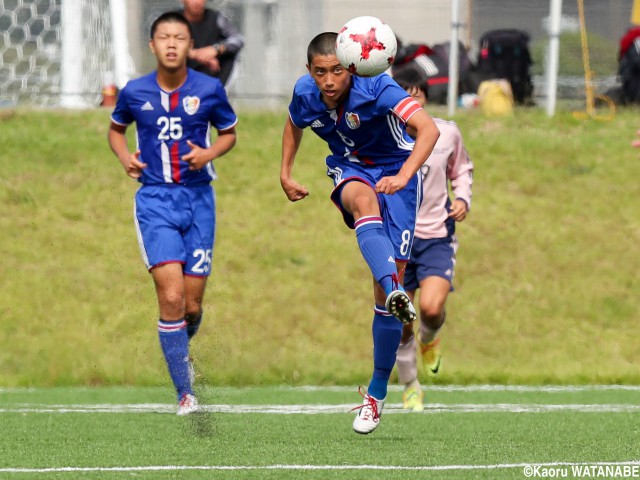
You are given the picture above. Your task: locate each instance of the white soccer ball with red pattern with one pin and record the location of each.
(366, 46)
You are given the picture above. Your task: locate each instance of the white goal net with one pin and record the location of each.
(32, 40)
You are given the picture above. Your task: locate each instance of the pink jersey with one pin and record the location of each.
(448, 161)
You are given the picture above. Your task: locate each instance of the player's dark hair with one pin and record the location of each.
(322, 44)
(410, 78)
(171, 17)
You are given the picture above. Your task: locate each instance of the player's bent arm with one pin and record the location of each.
(427, 134)
(225, 141)
(291, 139)
(118, 142)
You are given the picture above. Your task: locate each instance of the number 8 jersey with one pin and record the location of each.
(166, 120)
(368, 127)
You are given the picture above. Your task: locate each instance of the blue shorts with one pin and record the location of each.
(435, 257)
(176, 224)
(398, 210)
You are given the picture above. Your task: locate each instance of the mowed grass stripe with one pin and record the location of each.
(320, 409)
(467, 388)
(397, 388)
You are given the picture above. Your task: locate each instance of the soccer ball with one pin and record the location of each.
(366, 46)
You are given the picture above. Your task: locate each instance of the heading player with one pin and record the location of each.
(174, 210)
(373, 165)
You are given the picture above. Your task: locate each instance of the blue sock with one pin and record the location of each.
(193, 323)
(377, 251)
(175, 346)
(387, 331)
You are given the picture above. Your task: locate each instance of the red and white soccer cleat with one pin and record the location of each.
(368, 416)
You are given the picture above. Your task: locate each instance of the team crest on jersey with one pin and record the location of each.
(191, 104)
(353, 120)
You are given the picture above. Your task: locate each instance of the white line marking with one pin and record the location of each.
(317, 409)
(313, 467)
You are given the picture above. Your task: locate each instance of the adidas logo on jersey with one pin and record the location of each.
(317, 124)
(146, 106)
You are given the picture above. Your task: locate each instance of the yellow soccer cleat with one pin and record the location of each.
(431, 357)
(413, 397)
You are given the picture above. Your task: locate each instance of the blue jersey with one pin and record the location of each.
(368, 127)
(166, 120)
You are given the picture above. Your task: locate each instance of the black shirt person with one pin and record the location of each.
(216, 42)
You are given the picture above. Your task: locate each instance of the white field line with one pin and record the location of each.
(157, 468)
(315, 409)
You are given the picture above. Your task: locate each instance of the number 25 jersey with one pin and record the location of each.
(166, 120)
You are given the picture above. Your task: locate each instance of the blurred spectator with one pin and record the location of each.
(433, 65)
(216, 42)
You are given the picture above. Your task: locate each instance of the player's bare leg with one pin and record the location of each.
(194, 287)
(170, 290)
(433, 296)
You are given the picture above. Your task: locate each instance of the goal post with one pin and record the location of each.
(71, 65)
(118, 11)
(89, 42)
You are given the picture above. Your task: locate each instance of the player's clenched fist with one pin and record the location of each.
(134, 166)
(293, 189)
(390, 185)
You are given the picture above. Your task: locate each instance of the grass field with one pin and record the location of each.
(481, 432)
(546, 294)
(546, 282)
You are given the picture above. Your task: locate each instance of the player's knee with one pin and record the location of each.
(432, 314)
(365, 205)
(360, 199)
(173, 300)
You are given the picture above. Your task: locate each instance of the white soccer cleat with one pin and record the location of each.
(399, 305)
(188, 404)
(368, 417)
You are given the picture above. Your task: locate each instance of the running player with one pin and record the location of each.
(433, 255)
(174, 210)
(373, 165)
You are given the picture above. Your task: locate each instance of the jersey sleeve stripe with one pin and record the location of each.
(228, 126)
(294, 123)
(395, 127)
(405, 108)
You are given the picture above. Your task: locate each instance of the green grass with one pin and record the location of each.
(488, 443)
(603, 55)
(546, 283)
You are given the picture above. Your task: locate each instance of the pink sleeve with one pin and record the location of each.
(460, 170)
